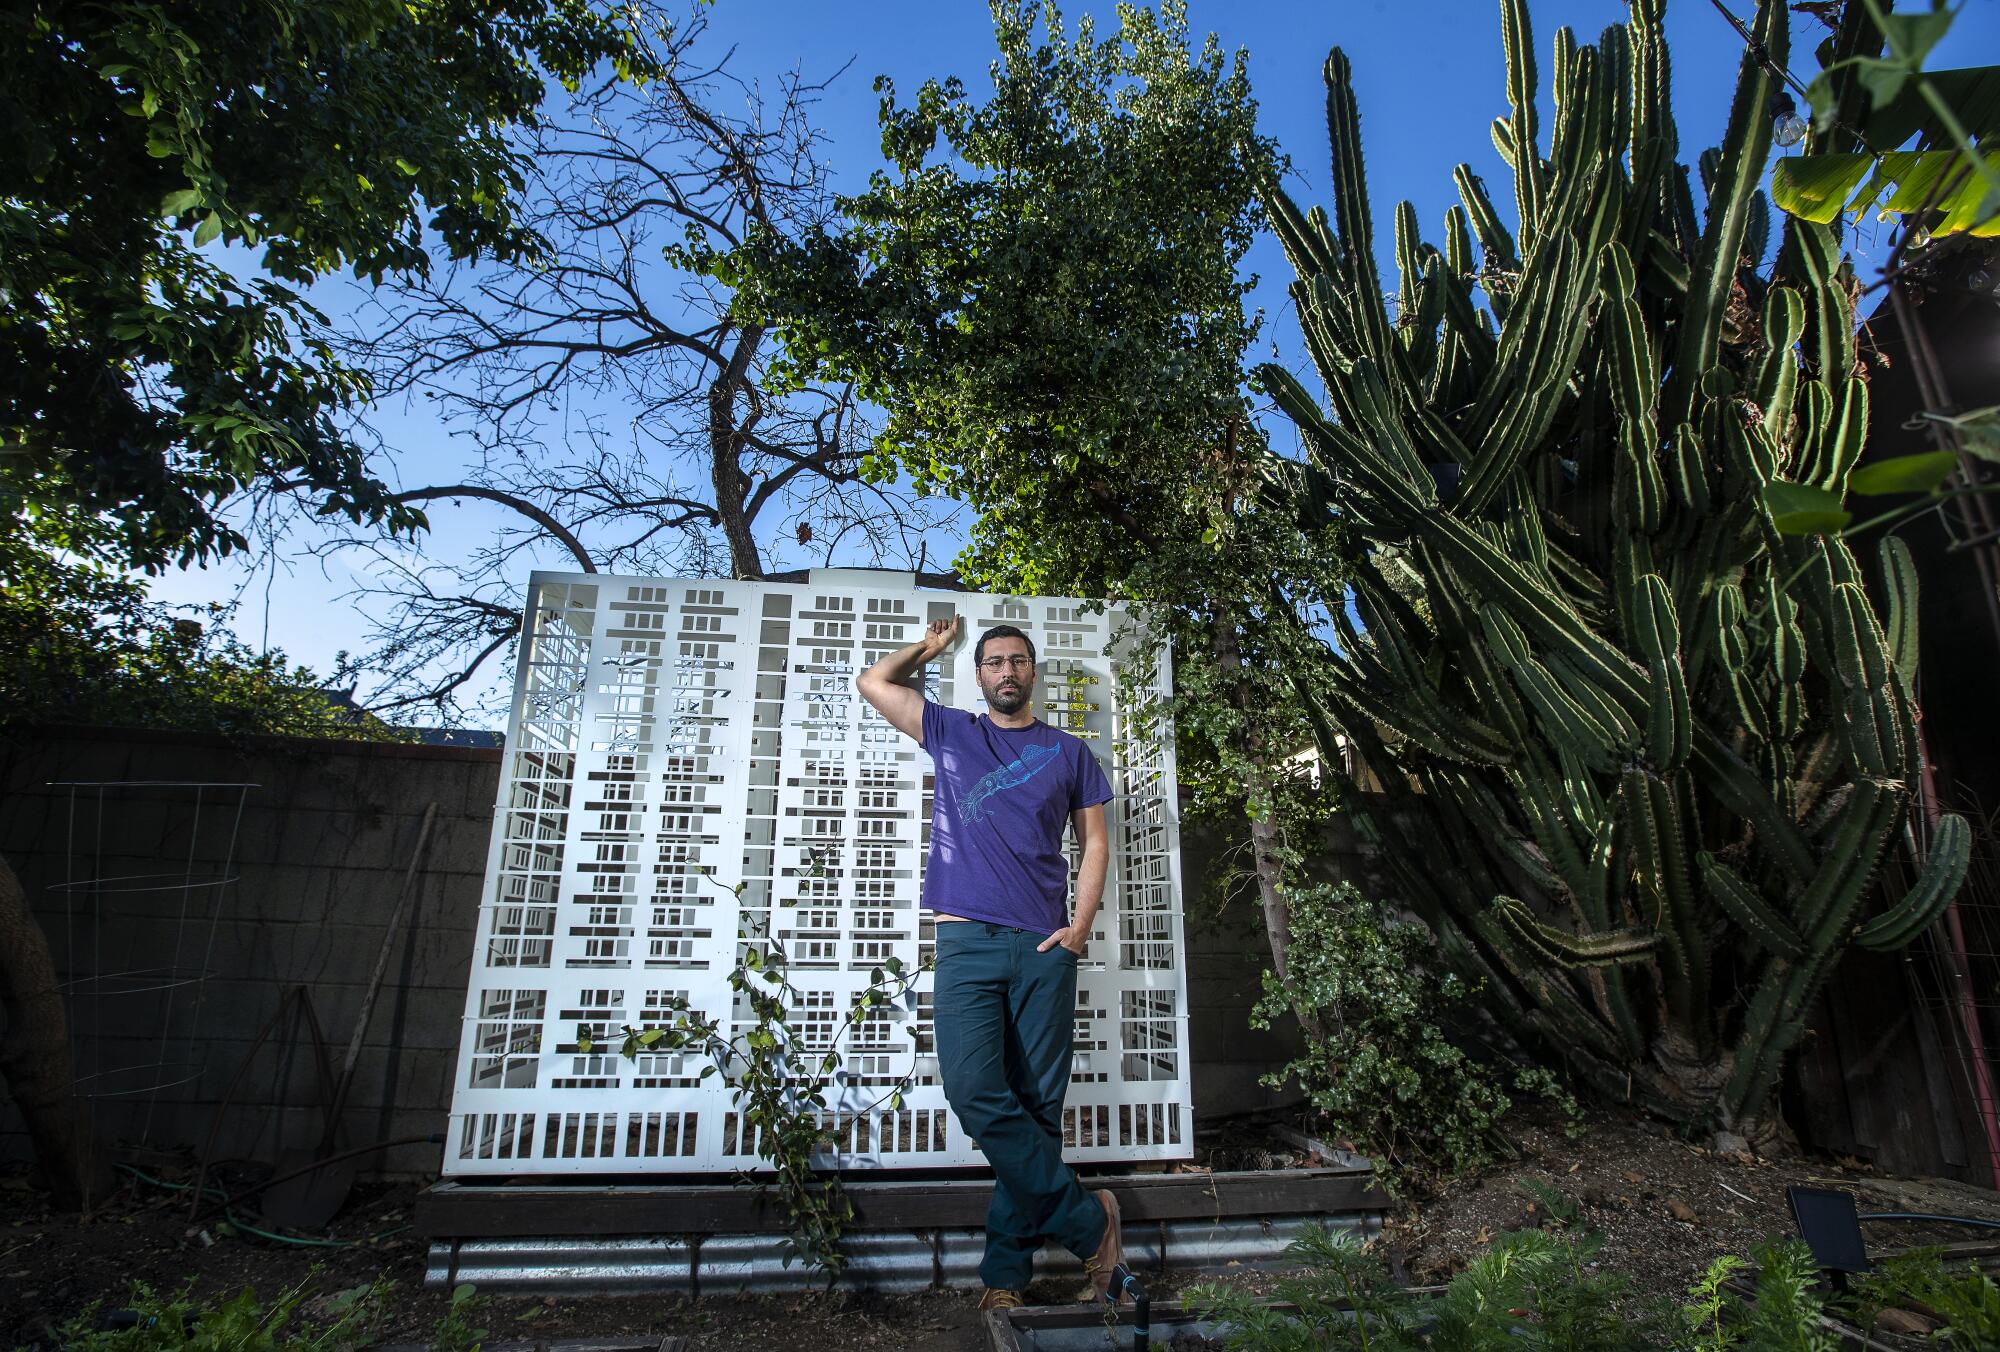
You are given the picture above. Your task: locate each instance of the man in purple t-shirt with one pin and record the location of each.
(1008, 940)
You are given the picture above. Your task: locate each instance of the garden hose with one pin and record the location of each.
(319, 1162)
(1123, 1284)
(249, 1229)
(1926, 1216)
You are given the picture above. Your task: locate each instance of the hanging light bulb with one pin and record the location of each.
(1787, 127)
(1917, 236)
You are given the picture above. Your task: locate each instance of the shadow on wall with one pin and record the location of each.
(313, 865)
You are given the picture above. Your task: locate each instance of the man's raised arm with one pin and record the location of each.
(882, 684)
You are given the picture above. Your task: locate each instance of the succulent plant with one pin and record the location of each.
(1641, 754)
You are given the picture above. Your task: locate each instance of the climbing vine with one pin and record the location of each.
(780, 1082)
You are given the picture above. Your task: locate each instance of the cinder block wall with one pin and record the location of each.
(320, 856)
(321, 849)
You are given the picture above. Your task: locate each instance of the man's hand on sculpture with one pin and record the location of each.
(1075, 938)
(940, 636)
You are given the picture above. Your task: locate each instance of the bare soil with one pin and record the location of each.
(1665, 1207)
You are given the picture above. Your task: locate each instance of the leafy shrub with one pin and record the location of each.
(1386, 1070)
(1966, 1299)
(1536, 1291)
(241, 1324)
(1345, 1298)
(1531, 1290)
(455, 1331)
(1788, 1305)
(79, 644)
(1783, 1314)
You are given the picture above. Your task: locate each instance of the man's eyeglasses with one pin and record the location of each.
(1018, 662)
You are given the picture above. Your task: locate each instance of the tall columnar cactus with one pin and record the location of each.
(1642, 754)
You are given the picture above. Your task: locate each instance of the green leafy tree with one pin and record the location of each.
(1044, 293)
(147, 376)
(81, 644)
(173, 175)
(1872, 99)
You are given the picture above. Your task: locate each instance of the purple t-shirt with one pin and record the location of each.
(1003, 800)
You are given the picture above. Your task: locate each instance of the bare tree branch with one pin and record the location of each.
(521, 505)
(438, 694)
(608, 394)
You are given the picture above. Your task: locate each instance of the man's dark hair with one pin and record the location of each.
(1001, 631)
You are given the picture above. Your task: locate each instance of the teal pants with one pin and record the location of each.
(1005, 1020)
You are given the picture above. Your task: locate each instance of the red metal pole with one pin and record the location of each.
(1985, 1098)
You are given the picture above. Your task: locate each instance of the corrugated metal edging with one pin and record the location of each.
(890, 1262)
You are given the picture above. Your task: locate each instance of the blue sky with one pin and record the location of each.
(1428, 79)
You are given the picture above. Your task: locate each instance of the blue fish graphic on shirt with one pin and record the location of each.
(1033, 760)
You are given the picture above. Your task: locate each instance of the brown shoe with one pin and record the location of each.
(1110, 1249)
(998, 1298)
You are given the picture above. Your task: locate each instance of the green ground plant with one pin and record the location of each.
(242, 1323)
(1784, 1313)
(1530, 1291)
(1389, 1067)
(1966, 1299)
(1537, 1291)
(456, 1331)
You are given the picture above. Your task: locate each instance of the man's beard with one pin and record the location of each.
(1007, 701)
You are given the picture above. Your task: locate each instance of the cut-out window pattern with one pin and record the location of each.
(496, 1136)
(1150, 1034)
(1088, 1126)
(667, 1069)
(656, 814)
(1146, 940)
(579, 1136)
(1088, 1035)
(507, 1038)
(652, 1135)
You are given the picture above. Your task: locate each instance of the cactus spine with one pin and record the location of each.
(1667, 745)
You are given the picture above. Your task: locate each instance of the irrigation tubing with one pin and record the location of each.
(249, 1229)
(429, 1138)
(1926, 1216)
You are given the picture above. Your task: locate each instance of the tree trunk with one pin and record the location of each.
(35, 1060)
(725, 454)
(1263, 836)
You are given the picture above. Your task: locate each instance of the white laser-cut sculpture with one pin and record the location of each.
(672, 739)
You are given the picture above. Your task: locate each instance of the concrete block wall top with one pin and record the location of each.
(689, 770)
